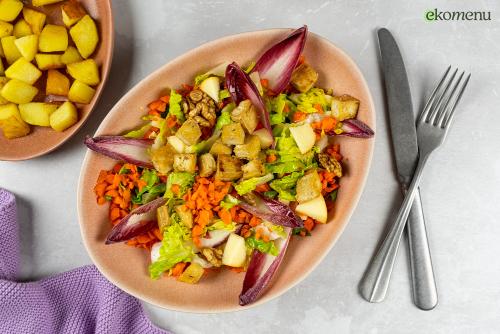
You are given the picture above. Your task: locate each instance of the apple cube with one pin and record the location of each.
(23, 70)
(211, 86)
(5, 29)
(22, 28)
(27, 46)
(71, 55)
(10, 49)
(235, 252)
(304, 137)
(37, 113)
(18, 91)
(64, 117)
(53, 38)
(315, 208)
(47, 61)
(9, 9)
(35, 19)
(80, 92)
(85, 36)
(57, 83)
(85, 71)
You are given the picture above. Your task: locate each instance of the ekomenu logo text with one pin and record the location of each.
(438, 15)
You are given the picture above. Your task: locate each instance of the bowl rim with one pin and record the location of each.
(111, 38)
(266, 296)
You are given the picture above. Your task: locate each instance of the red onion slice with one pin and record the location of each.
(277, 63)
(261, 270)
(136, 222)
(120, 148)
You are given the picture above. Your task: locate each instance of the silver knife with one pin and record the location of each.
(374, 285)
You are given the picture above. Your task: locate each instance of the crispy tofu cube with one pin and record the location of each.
(5, 29)
(57, 83)
(185, 162)
(10, 9)
(249, 150)
(233, 134)
(22, 28)
(64, 117)
(35, 19)
(308, 187)
(85, 71)
(37, 113)
(53, 38)
(206, 165)
(11, 122)
(246, 114)
(192, 274)
(228, 168)
(304, 77)
(219, 148)
(23, 70)
(18, 91)
(163, 158)
(253, 168)
(162, 217)
(189, 132)
(27, 46)
(344, 107)
(85, 36)
(71, 55)
(46, 61)
(10, 49)
(72, 12)
(185, 215)
(38, 3)
(80, 92)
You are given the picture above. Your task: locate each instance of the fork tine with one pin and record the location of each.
(428, 104)
(437, 106)
(448, 119)
(444, 108)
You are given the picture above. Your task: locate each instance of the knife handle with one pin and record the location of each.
(423, 282)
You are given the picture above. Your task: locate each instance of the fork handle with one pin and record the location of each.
(423, 282)
(373, 286)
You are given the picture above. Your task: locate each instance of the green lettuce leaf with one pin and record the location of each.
(223, 119)
(228, 202)
(223, 94)
(286, 185)
(249, 185)
(220, 225)
(153, 188)
(174, 106)
(184, 179)
(176, 247)
(306, 101)
(279, 230)
(262, 246)
(138, 133)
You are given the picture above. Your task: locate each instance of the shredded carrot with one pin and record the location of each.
(264, 83)
(165, 98)
(299, 116)
(262, 188)
(271, 158)
(176, 189)
(225, 216)
(254, 221)
(319, 108)
(178, 269)
(171, 121)
(309, 224)
(302, 60)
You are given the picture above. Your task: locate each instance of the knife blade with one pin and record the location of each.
(404, 140)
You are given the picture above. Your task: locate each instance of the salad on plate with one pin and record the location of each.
(228, 167)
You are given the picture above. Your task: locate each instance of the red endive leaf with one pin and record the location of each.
(241, 87)
(137, 222)
(277, 63)
(120, 148)
(356, 128)
(260, 271)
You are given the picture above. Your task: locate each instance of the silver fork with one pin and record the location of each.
(432, 128)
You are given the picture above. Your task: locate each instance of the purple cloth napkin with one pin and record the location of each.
(77, 301)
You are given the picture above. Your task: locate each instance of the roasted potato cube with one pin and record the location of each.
(5, 29)
(37, 113)
(185, 162)
(72, 12)
(192, 274)
(71, 55)
(233, 134)
(85, 71)
(308, 187)
(163, 158)
(10, 49)
(189, 132)
(22, 28)
(344, 107)
(23, 70)
(11, 122)
(38, 3)
(246, 114)
(18, 91)
(64, 117)
(3, 81)
(219, 148)
(27, 46)
(304, 77)
(250, 150)
(162, 217)
(9, 9)
(2, 70)
(35, 19)
(206, 165)
(57, 83)
(85, 36)
(185, 214)
(228, 168)
(252, 169)
(46, 61)
(80, 92)
(53, 38)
